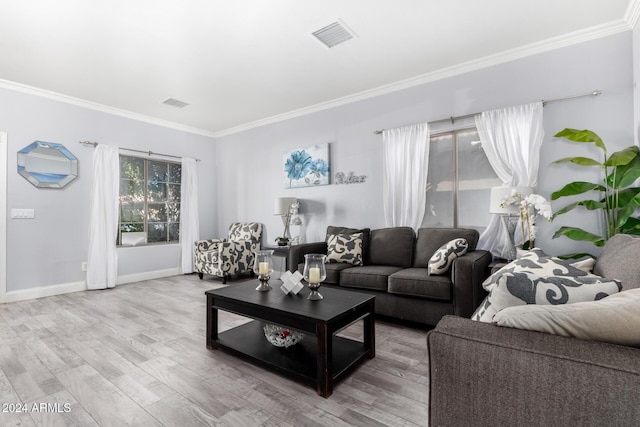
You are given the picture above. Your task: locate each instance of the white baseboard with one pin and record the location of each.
(147, 275)
(66, 288)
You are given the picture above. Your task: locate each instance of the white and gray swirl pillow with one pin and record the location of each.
(345, 248)
(441, 260)
(537, 278)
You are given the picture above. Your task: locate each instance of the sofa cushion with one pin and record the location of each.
(524, 282)
(374, 277)
(333, 271)
(430, 239)
(619, 260)
(441, 260)
(614, 319)
(417, 282)
(391, 246)
(345, 248)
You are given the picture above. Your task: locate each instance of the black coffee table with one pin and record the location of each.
(321, 358)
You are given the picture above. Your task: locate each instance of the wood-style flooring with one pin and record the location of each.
(136, 355)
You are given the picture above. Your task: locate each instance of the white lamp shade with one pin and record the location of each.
(281, 205)
(500, 194)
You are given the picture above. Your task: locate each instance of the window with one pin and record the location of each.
(149, 201)
(459, 181)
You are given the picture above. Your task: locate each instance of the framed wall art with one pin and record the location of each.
(307, 167)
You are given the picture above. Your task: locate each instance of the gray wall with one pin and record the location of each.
(252, 168)
(241, 174)
(49, 249)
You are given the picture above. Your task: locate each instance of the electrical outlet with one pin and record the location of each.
(83, 266)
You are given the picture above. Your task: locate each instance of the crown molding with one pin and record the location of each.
(633, 13)
(42, 93)
(631, 17)
(576, 37)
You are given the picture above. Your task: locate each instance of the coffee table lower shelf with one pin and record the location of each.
(298, 362)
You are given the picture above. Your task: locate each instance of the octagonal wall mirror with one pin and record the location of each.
(47, 164)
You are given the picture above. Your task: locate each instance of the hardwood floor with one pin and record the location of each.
(136, 355)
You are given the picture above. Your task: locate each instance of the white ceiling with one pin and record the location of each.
(241, 63)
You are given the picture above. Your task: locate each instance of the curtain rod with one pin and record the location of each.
(94, 144)
(466, 116)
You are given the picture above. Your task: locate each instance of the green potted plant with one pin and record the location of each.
(282, 241)
(617, 199)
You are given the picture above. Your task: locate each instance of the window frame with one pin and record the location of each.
(455, 134)
(146, 201)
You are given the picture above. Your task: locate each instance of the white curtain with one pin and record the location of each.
(102, 259)
(511, 138)
(405, 161)
(189, 218)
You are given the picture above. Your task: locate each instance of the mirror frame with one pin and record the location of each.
(43, 163)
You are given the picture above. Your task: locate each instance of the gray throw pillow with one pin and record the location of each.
(619, 259)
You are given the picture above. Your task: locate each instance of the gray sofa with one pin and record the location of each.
(485, 375)
(395, 271)
(482, 374)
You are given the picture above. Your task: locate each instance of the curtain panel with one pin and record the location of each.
(189, 217)
(102, 258)
(405, 161)
(511, 138)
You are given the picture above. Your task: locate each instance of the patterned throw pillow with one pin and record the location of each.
(540, 279)
(441, 260)
(345, 248)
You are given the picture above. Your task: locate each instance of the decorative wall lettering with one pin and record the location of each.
(341, 178)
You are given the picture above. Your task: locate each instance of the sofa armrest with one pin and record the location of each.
(207, 245)
(486, 375)
(467, 274)
(297, 253)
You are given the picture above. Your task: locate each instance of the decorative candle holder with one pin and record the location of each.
(314, 273)
(263, 265)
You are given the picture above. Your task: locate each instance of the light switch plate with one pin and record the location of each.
(22, 213)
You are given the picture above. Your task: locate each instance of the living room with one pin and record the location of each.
(240, 173)
(240, 170)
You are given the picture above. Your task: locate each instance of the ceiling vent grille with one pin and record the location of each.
(175, 102)
(333, 34)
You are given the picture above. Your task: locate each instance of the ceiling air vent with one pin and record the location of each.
(175, 102)
(334, 34)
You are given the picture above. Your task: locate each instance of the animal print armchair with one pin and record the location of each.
(224, 257)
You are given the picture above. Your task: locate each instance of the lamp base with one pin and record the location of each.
(509, 251)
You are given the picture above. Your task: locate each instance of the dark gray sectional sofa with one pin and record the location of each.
(395, 271)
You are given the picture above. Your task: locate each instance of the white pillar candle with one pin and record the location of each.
(263, 268)
(314, 275)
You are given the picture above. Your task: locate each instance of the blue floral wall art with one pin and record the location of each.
(307, 167)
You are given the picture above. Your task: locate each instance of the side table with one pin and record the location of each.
(281, 251)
